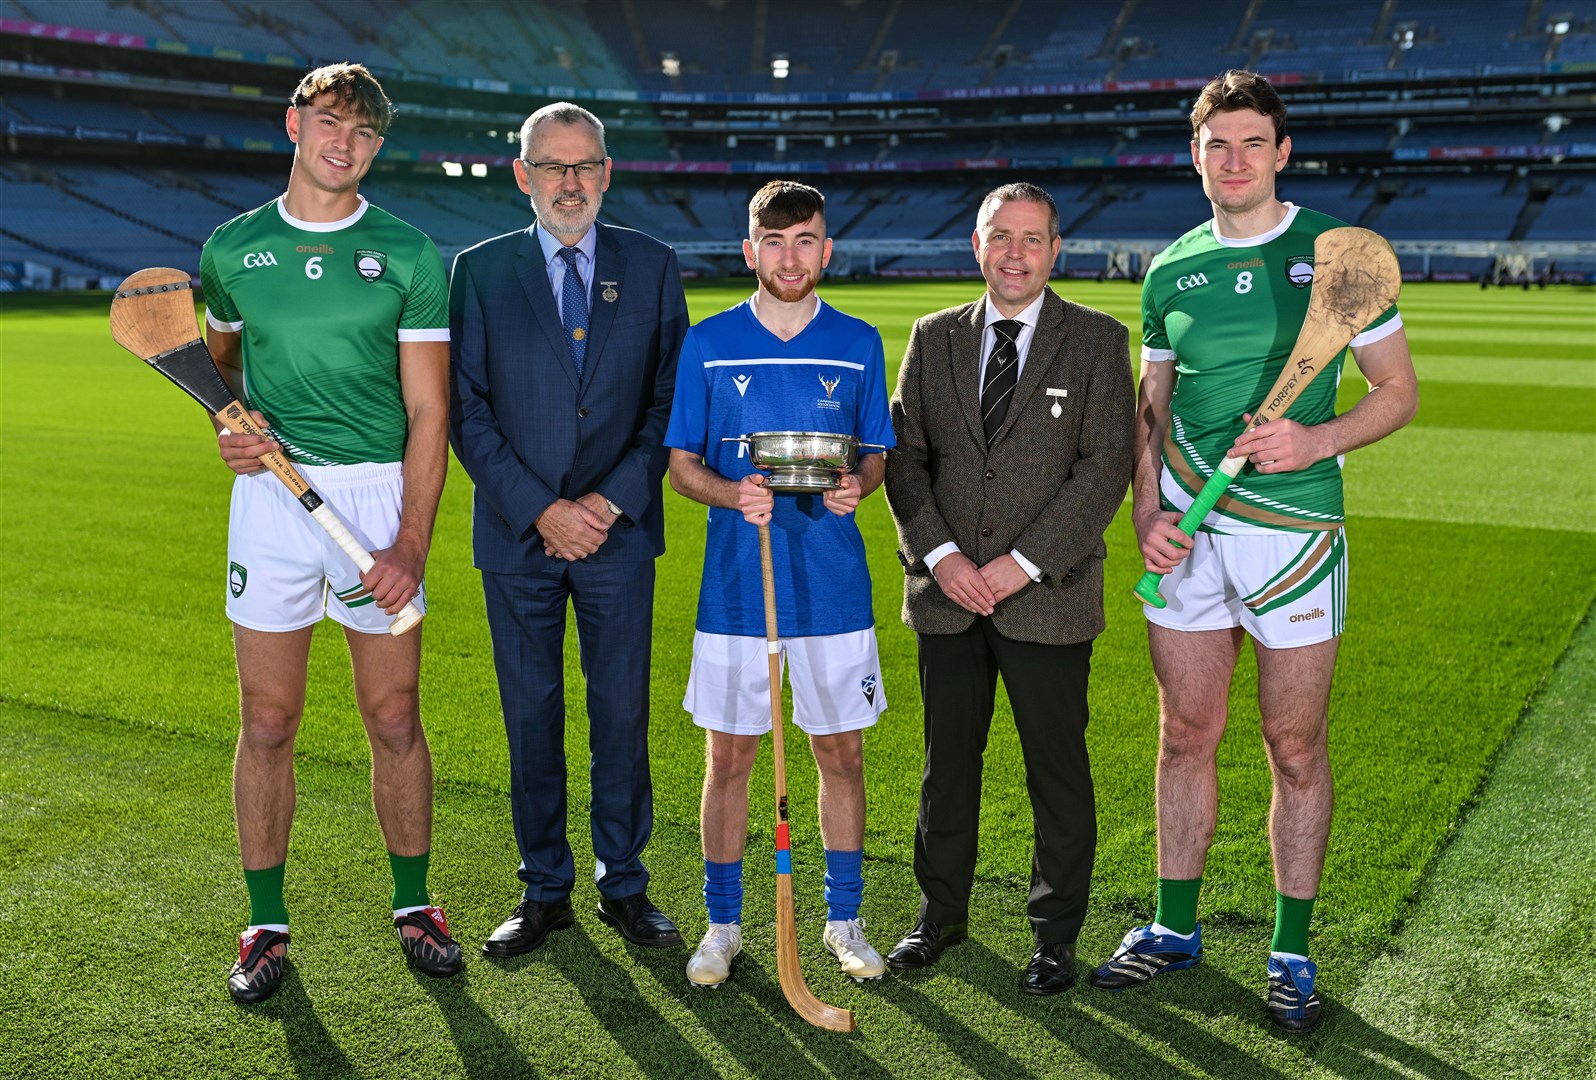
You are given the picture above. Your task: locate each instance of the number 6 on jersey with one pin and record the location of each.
(152, 317)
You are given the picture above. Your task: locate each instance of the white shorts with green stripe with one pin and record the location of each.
(285, 573)
(1286, 589)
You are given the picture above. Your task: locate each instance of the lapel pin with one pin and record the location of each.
(609, 294)
(1055, 394)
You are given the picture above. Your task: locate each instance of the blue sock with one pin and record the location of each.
(723, 891)
(844, 884)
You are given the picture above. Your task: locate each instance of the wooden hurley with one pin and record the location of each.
(1355, 278)
(804, 1003)
(152, 317)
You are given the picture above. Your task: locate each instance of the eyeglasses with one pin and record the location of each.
(555, 171)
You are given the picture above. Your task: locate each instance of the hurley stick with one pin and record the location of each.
(804, 1003)
(152, 317)
(1355, 278)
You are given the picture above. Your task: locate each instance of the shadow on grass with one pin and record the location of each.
(761, 1038)
(485, 1050)
(994, 974)
(652, 1042)
(1178, 1011)
(1355, 1047)
(314, 1051)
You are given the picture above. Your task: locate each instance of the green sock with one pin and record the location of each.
(1177, 904)
(409, 879)
(266, 895)
(1291, 924)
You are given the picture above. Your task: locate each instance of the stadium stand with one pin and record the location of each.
(140, 124)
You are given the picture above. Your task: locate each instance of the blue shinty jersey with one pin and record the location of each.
(735, 378)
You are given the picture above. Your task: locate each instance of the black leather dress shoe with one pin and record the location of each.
(925, 943)
(639, 921)
(527, 926)
(1051, 970)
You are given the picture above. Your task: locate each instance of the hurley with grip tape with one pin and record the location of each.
(152, 317)
(1356, 278)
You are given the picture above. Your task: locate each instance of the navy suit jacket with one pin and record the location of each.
(526, 430)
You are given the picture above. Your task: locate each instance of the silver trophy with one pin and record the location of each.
(800, 461)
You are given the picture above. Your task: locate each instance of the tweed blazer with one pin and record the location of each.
(1049, 485)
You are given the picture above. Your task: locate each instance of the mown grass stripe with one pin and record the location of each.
(1533, 479)
(1494, 371)
(1503, 922)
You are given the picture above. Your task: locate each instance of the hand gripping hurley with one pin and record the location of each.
(152, 317)
(1356, 277)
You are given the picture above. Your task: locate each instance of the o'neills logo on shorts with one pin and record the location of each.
(1316, 613)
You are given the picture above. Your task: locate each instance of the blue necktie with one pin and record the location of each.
(573, 310)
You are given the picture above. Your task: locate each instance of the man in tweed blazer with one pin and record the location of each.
(1014, 424)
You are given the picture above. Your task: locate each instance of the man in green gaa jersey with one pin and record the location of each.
(1221, 308)
(330, 318)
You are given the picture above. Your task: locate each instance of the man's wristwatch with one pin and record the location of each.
(616, 510)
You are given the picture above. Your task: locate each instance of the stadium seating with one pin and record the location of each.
(1411, 174)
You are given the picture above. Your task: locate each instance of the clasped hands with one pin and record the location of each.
(574, 529)
(979, 589)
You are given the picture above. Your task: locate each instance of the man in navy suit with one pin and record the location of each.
(563, 344)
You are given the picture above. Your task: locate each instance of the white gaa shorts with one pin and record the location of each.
(1286, 589)
(285, 573)
(836, 682)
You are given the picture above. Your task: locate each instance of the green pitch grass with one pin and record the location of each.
(120, 897)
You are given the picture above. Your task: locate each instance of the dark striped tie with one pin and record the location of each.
(1002, 372)
(573, 310)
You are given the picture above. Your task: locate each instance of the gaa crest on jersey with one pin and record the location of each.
(1299, 270)
(256, 259)
(237, 576)
(867, 687)
(371, 264)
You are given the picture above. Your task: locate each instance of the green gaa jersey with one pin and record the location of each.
(1227, 313)
(322, 307)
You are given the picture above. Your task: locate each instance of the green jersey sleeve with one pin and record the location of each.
(1155, 339)
(425, 316)
(219, 306)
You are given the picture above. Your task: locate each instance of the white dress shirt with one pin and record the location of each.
(1022, 345)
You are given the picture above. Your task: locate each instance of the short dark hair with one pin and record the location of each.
(1235, 90)
(355, 89)
(1020, 192)
(782, 204)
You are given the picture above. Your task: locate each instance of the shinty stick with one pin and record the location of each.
(790, 974)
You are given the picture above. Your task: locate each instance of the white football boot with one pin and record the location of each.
(711, 962)
(845, 938)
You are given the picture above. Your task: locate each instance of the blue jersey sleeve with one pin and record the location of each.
(689, 424)
(875, 418)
